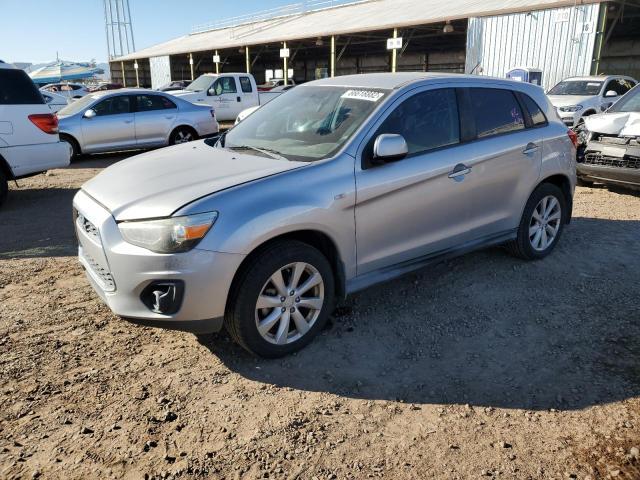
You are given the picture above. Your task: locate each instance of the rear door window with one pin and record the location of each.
(16, 88)
(148, 103)
(495, 111)
(245, 84)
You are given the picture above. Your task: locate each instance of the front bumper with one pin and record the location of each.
(119, 272)
(569, 118)
(607, 174)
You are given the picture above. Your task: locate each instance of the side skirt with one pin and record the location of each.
(393, 271)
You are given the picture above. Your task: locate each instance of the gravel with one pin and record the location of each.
(482, 365)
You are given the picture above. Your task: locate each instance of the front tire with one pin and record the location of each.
(543, 220)
(282, 300)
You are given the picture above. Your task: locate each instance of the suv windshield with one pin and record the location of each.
(201, 83)
(307, 124)
(630, 102)
(576, 87)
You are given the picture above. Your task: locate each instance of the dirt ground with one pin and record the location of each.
(484, 366)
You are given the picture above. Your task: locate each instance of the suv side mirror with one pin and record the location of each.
(211, 92)
(611, 93)
(89, 113)
(389, 147)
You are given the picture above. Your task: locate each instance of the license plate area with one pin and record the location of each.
(617, 152)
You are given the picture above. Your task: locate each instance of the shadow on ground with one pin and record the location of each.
(484, 329)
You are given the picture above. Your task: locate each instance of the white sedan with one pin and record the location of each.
(54, 100)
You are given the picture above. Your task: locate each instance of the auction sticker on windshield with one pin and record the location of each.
(369, 95)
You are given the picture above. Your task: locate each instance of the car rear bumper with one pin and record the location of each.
(122, 274)
(29, 159)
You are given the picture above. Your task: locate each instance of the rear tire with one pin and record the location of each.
(4, 187)
(271, 320)
(543, 220)
(182, 135)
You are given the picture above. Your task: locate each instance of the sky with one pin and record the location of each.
(34, 30)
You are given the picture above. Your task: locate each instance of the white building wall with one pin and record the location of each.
(558, 41)
(160, 71)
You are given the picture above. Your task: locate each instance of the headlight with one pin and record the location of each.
(168, 235)
(571, 108)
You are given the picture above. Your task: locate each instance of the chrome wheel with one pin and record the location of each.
(183, 136)
(545, 223)
(289, 303)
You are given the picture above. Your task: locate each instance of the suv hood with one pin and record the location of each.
(181, 93)
(568, 100)
(623, 124)
(156, 184)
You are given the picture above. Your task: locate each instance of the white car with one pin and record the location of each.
(55, 100)
(69, 90)
(579, 97)
(228, 93)
(29, 141)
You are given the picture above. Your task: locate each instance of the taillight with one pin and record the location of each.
(574, 137)
(47, 122)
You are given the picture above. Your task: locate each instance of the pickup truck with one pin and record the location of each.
(227, 93)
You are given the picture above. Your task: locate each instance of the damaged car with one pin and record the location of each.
(612, 152)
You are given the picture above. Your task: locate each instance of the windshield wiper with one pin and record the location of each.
(266, 151)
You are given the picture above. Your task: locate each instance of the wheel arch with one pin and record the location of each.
(314, 238)
(564, 184)
(5, 168)
(73, 139)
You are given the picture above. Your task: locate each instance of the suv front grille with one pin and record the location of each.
(596, 158)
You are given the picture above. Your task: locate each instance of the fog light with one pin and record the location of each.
(164, 297)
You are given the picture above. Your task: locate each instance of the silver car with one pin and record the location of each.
(129, 119)
(340, 184)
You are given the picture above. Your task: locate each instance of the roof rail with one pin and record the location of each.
(301, 8)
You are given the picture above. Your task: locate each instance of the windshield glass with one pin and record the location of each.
(630, 102)
(77, 105)
(307, 123)
(576, 87)
(201, 83)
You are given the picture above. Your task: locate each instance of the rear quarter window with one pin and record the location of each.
(496, 111)
(16, 88)
(535, 112)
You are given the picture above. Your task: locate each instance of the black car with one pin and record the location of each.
(612, 152)
(175, 85)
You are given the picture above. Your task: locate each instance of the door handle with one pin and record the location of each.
(530, 148)
(238, 99)
(128, 121)
(459, 170)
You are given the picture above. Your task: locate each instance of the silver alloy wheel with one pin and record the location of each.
(183, 136)
(289, 303)
(545, 223)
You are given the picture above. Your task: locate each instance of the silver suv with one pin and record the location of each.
(337, 185)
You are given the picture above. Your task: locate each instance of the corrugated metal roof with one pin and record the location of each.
(359, 17)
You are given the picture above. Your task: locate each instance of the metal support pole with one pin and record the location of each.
(333, 56)
(191, 65)
(217, 64)
(124, 77)
(135, 66)
(600, 36)
(286, 70)
(394, 53)
(248, 62)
